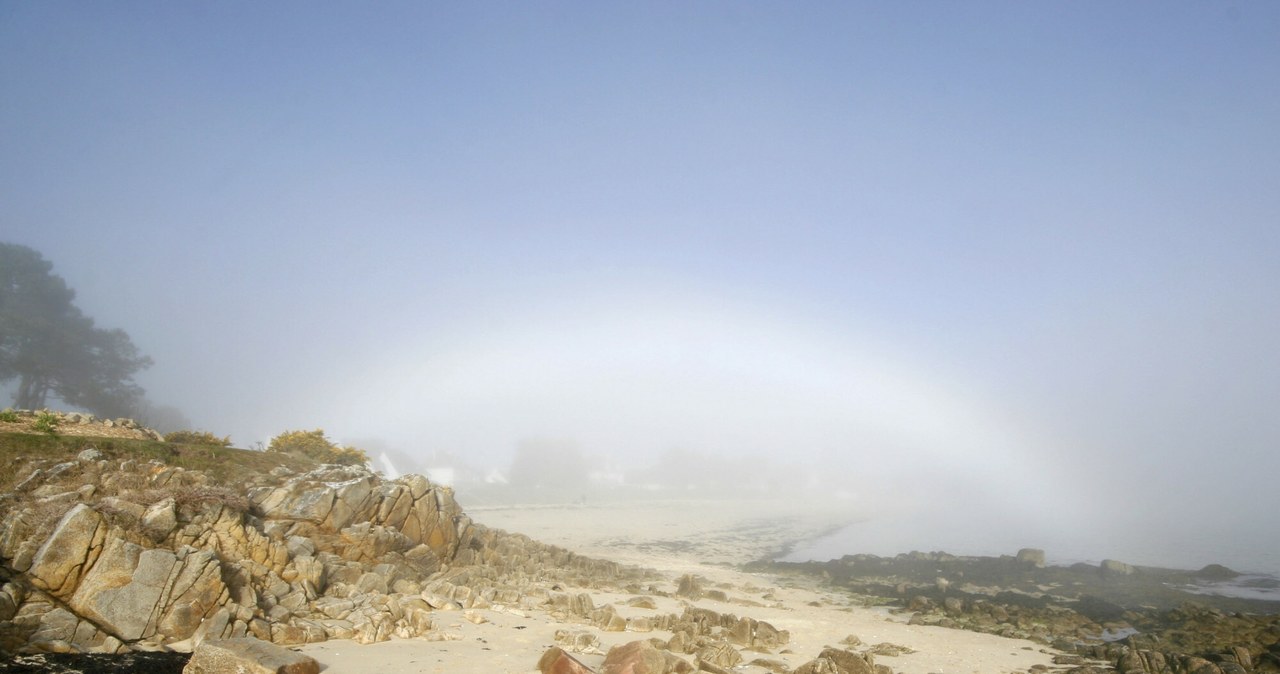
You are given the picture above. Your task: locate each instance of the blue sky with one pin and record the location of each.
(450, 226)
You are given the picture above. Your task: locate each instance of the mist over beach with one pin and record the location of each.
(976, 276)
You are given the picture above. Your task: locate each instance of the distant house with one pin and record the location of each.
(607, 477)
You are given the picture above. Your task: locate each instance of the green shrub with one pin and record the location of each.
(46, 422)
(315, 445)
(9, 416)
(197, 438)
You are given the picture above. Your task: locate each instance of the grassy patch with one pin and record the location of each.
(47, 423)
(225, 465)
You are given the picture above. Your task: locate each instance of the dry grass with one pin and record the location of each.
(197, 438)
(195, 497)
(223, 465)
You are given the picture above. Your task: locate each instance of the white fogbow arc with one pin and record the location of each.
(635, 378)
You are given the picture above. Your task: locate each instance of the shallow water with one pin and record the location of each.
(1248, 586)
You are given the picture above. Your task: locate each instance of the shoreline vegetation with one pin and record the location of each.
(497, 587)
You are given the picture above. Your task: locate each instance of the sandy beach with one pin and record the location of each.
(675, 538)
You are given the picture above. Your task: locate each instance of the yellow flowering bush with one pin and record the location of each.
(315, 445)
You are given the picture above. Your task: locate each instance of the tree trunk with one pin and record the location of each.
(32, 393)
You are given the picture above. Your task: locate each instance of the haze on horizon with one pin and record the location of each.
(980, 258)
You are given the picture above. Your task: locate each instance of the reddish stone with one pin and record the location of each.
(556, 661)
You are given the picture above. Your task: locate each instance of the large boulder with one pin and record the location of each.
(121, 591)
(1216, 572)
(1113, 568)
(135, 593)
(248, 656)
(1032, 556)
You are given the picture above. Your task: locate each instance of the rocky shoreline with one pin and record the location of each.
(1134, 618)
(112, 563)
(111, 556)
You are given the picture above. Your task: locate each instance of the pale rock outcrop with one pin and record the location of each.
(123, 589)
(374, 517)
(114, 556)
(68, 554)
